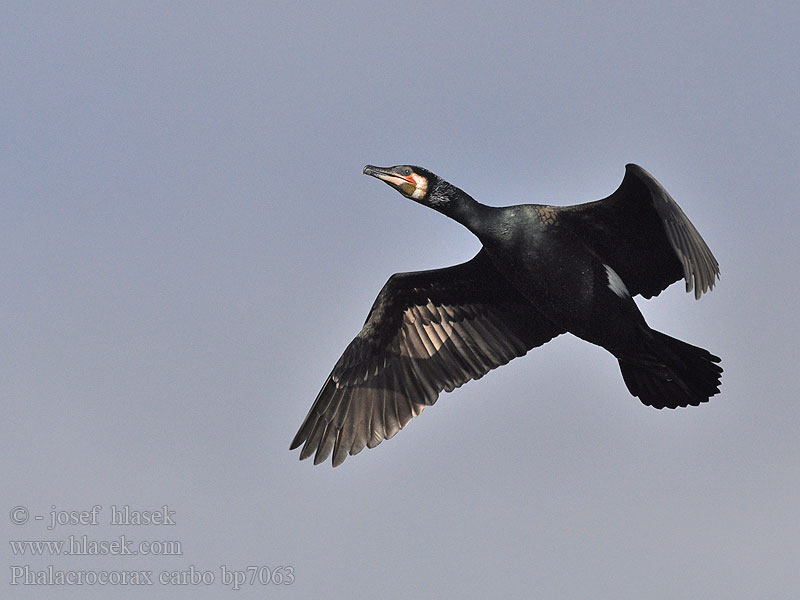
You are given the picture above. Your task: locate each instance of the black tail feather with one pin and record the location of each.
(671, 373)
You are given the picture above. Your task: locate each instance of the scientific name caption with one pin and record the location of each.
(234, 578)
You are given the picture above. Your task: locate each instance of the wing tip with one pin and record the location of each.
(701, 285)
(302, 435)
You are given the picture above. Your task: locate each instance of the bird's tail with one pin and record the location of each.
(671, 373)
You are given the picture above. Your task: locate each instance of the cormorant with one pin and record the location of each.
(542, 271)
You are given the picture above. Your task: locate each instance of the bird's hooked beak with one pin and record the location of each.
(405, 184)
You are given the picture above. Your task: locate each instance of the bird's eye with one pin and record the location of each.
(406, 172)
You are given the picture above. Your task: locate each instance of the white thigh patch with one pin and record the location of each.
(616, 284)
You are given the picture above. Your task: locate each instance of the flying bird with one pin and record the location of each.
(542, 271)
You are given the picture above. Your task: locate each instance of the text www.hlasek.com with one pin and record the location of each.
(84, 546)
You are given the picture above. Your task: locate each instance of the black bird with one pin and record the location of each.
(542, 271)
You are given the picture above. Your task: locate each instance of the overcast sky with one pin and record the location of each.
(188, 245)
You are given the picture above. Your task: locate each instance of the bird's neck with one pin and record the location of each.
(466, 210)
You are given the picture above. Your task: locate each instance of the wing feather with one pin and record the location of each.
(427, 332)
(642, 233)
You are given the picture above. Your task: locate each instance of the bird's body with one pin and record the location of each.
(542, 271)
(555, 269)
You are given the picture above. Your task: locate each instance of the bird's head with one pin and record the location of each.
(413, 182)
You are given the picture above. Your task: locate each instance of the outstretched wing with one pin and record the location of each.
(644, 235)
(426, 332)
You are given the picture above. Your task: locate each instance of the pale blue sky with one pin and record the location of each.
(189, 244)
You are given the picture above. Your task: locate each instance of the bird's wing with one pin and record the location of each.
(426, 332)
(644, 235)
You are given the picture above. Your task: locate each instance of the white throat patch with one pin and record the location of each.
(422, 187)
(616, 284)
